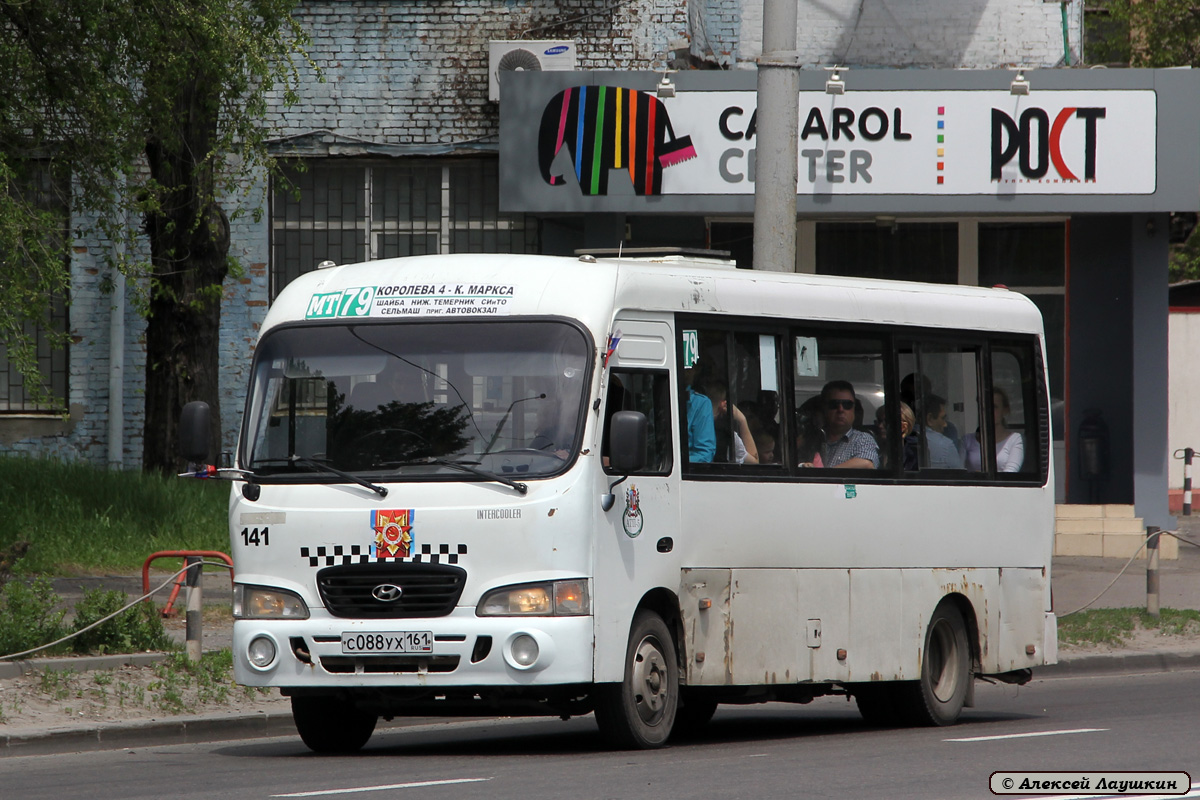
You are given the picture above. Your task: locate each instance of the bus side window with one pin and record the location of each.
(1014, 410)
(649, 393)
(942, 387)
(830, 371)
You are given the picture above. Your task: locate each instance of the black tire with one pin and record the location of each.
(939, 696)
(639, 712)
(692, 716)
(330, 725)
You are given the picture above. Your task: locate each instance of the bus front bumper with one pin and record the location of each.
(466, 650)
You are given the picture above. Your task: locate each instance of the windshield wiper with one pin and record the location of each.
(466, 467)
(322, 467)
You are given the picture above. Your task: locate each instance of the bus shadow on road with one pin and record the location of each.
(507, 738)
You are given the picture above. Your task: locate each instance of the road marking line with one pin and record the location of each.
(1026, 735)
(382, 788)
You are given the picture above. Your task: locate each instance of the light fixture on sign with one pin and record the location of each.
(835, 84)
(665, 87)
(1019, 84)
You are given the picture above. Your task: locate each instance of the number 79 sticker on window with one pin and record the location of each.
(353, 302)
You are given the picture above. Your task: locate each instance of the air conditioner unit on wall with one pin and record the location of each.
(514, 56)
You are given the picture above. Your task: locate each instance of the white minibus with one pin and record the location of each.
(513, 484)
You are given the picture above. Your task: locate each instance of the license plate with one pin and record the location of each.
(386, 643)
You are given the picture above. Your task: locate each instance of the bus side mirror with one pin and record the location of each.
(195, 429)
(627, 442)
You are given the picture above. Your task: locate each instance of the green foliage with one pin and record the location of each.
(77, 516)
(137, 629)
(59, 684)
(29, 616)
(1162, 33)
(1115, 626)
(210, 679)
(154, 111)
(1185, 259)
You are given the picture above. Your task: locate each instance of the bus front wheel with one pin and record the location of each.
(639, 712)
(938, 697)
(330, 725)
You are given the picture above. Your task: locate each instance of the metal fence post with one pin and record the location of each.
(195, 606)
(1152, 537)
(1187, 480)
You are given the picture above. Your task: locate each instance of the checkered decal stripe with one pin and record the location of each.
(344, 555)
(338, 554)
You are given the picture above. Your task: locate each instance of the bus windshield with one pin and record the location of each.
(417, 399)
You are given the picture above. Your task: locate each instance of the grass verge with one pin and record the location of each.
(77, 518)
(172, 686)
(1115, 626)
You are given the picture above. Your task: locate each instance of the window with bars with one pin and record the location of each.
(49, 190)
(347, 211)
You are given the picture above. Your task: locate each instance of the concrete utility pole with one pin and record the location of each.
(778, 123)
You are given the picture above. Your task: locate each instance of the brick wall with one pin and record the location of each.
(966, 34)
(417, 73)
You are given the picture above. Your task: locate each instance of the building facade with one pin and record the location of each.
(397, 149)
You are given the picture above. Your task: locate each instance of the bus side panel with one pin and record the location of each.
(877, 649)
(767, 627)
(1022, 625)
(704, 605)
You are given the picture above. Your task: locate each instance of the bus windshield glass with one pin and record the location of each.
(447, 399)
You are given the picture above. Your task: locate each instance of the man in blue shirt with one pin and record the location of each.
(943, 454)
(702, 432)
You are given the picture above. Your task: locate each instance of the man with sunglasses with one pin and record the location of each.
(845, 446)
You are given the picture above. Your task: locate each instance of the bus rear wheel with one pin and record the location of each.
(639, 712)
(331, 725)
(939, 696)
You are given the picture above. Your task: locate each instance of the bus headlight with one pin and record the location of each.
(552, 599)
(529, 650)
(524, 650)
(261, 652)
(265, 602)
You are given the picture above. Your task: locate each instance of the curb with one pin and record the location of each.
(15, 669)
(196, 729)
(1117, 663)
(142, 733)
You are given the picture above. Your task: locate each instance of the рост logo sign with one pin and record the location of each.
(1037, 143)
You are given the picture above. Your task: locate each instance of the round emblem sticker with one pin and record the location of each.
(632, 518)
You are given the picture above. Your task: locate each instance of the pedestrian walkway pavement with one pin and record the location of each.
(1077, 582)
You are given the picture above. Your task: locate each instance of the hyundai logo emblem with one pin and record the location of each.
(387, 592)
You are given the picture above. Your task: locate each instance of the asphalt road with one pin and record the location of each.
(1130, 722)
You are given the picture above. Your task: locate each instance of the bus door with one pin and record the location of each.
(636, 538)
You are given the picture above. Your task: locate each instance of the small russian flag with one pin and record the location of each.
(613, 340)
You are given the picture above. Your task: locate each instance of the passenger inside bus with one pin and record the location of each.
(742, 448)
(1010, 444)
(943, 454)
(810, 435)
(910, 442)
(552, 434)
(908, 395)
(845, 446)
(701, 431)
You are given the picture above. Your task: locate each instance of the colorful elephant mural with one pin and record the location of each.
(607, 127)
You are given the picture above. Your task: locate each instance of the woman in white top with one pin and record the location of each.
(1010, 444)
